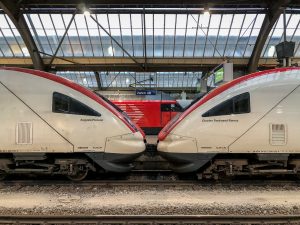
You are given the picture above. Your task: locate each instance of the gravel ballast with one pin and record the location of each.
(157, 200)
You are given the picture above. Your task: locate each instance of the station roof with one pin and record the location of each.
(133, 43)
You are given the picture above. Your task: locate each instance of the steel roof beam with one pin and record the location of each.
(270, 19)
(12, 9)
(98, 79)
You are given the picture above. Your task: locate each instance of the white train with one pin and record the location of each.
(54, 126)
(250, 125)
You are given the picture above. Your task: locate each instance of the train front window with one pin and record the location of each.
(64, 104)
(166, 107)
(236, 105)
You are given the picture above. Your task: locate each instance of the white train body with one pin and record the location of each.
(258, 113)
(44, 113)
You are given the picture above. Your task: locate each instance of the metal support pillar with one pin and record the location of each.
(98, 79)
(270, 19)
(13, 9)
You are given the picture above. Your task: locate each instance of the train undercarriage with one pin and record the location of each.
(75, 166)
(210, 166)
(217, 166)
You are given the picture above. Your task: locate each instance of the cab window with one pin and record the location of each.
(237, 105)
(64, 104)
(165, 107)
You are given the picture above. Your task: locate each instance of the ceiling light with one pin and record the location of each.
(206, 13)
(87, 12)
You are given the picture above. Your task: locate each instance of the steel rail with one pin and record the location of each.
(152, 219)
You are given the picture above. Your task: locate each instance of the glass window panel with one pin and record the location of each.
(209, 50)
(4, 24)
(229, 50)
(125, 24)
(47, 48)
(114, 24)
(150, 50)
(136, 20)
(158, 24)
(91, 23)
(46, 21)
(239, 51)
(192, 25)
(138, 50)
(237, 21)
(255, 32)
(204, 20)
(106, 40)
(233, 36)
(9, 35)
(36, 21)
(170, 24)
(178, 51)
(97, 50)
(77, 49)
(129, 49)
(297, 53)
(149, 21)
(248, 50)
(226, 21)
(67, 49)
(215, 21)
(259, 20)
(294, 20)
(87, 49)
(220, 48)
(199, 50)
(188, 52)
(102, 19)
(181, 21)
(223, 34)
(245, 34)
(149, 24)
(277, 33)
(249, 20)
(212, 35)
(158, 50)
(297, 35)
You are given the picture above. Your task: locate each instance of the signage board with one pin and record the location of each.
(145, 92)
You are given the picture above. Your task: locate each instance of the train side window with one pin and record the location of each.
(236, 105)
(241, 103)
(225, 108)
(176, 108)
(60, 103)
(64, 104)
(165, 107)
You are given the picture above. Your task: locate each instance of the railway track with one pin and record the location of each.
(150, 220)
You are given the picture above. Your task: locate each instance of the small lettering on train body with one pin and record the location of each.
(221, 120)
